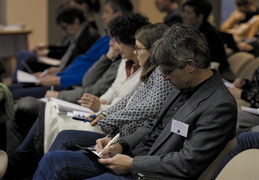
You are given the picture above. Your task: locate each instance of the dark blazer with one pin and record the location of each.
(211, 113)
(86, 39)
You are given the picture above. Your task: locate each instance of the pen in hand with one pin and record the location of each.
(43, 73)
(111, 142)
(95, 115)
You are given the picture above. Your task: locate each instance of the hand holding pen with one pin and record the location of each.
(93, 118)
(103, 146)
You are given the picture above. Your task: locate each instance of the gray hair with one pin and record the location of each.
(179, 43)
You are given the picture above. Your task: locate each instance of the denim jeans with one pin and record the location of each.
(67, 140)
(20, 90)
(72, 165)
(23, 161)
(246, 140)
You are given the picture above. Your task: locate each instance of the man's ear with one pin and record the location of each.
(191, 64)
(200, 17)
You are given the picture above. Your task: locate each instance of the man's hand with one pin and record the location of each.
(239, 83)
(110, 151)
(49, 80)
(53, 94)
(243, 46)
(120, 164)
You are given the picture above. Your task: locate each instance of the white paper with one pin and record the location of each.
(250, 110)
(25, 77)
(49, 61)
(228, 84)
(65, 106)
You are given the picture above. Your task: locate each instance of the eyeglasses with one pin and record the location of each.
(167, 72)
(138, 48)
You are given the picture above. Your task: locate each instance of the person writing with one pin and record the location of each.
(180, 143)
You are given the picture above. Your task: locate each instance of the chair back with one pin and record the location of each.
(3, 163)
(242, 166)
(238, 61)
(211, 169)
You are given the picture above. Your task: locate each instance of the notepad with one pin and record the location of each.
(24, 77)
(250, 110)
(63, 107)
(49, 61)
(89, 151)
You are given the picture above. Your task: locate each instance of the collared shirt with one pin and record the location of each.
(131, 67)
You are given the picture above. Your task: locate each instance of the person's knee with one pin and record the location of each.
(26, 112)
(27, 106)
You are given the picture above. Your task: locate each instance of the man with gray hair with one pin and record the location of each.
(180, 143)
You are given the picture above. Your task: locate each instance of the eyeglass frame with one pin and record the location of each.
(167, 73)
(137, 49)
(171, 70)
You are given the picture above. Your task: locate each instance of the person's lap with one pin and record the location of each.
(69, 139)
(247, 122)
(72, 165)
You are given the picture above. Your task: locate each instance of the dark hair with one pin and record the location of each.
(147, 35)
(125, 6)
(203, 7)
(179, 43)
(123, 28)
(94, 5)
(68, 15)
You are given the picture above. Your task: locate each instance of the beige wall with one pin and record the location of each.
(147, 8)
(32, 13)
(38, 15)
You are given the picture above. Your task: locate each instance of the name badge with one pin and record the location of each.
(179, 128)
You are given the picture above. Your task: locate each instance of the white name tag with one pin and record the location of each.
(179, 128)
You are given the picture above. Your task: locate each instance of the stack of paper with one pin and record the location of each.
(250, 110)
(64, 106)
(25, 77)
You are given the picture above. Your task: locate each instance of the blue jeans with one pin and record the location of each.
(246, 140)
(23, 161)
(67, 139)
(20, 90)
(72, 165)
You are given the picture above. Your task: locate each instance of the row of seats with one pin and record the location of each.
(243, 64)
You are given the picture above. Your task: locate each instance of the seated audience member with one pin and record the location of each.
(250, 45)
(90, 7)
(128, 78)
(172, 10)
(180, 143)
(241, 22)
(248, 91)
(246, 140)
(6, 112)
(196, 13)
(133, 110)
(82, 36)
(96, 81)
(73, 74)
